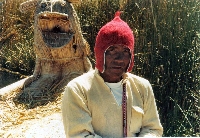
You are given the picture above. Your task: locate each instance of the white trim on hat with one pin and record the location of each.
(104, 59)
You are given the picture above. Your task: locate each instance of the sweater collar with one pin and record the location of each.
(124, 77)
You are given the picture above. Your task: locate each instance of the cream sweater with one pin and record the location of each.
(89, 108)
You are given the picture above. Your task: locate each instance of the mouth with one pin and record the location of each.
(117, 68)
(56, 29)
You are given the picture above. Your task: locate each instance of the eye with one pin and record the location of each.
(111, 50)
(126, 52)
(43, 5)
(63, 3)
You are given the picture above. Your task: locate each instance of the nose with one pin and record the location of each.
(120, 56)
(119, 60)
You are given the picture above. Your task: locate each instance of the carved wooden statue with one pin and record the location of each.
(61, 51)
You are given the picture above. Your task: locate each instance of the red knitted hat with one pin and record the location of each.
(114, 32)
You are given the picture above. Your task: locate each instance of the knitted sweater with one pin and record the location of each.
(89, 108)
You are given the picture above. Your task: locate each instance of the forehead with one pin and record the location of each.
(118, 46)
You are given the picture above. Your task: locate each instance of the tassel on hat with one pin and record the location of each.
(114, 32)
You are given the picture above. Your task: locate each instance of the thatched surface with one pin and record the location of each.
(42, 121)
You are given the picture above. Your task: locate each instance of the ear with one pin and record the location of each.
(75, 1)
(28, 5)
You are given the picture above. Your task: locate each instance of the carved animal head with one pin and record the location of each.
(57, 29)
(53, 22)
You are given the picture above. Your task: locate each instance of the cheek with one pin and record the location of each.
(107, 62)
(127, 62)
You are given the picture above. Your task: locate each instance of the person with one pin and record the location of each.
(109, 101)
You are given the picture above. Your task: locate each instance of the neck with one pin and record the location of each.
(109, 79)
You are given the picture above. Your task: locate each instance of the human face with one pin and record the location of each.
(117, 59)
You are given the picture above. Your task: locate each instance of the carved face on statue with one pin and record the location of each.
(54, 24)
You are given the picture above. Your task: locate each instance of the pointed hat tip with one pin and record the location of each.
(117, 13)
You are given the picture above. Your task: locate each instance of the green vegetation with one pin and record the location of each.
(16, 38)
(167, 50)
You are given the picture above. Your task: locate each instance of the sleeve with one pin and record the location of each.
(151, 125)
(76, 116)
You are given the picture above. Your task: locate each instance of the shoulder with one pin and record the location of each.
(82, 79)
